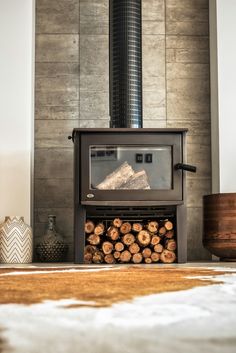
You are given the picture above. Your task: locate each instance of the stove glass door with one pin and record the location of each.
(130, 167)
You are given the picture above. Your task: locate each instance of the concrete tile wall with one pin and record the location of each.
(187, 102)
(94, 63)
(56, 113)
(72, 90)
(154, 72)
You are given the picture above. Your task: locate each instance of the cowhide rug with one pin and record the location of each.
(116, 309)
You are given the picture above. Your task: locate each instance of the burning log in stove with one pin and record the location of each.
(124, 177)
(130, 242)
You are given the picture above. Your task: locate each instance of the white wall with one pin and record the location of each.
(223, 93)
(16, 106)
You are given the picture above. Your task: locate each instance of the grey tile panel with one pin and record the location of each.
(54, 163)
(57, 48)
(56, 193)
(57, 16)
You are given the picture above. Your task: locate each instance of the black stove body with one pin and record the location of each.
(132, 174)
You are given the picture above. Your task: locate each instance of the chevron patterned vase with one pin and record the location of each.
(16, 241)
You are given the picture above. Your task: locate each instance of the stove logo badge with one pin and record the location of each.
(90, 196)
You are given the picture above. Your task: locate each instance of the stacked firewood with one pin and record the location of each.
(130, 242)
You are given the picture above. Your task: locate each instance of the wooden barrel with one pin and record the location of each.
(219, 222)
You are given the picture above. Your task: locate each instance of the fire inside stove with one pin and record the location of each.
(130, 240)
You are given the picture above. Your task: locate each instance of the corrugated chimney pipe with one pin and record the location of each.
(125, 64)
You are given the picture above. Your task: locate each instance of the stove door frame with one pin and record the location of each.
(132, 137)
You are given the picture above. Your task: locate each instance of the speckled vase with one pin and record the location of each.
(16, 241)
(52, 248)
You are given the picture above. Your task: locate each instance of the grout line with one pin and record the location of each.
(33, 114)
(165, 66)
(79, 57)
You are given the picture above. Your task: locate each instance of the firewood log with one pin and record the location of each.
(148, 260)
(162, 231)
(155, 257)
(107, 247)
(125, 228)
(88, 258)
(137, 258)
(125, 256)
(117, 222)
(94, 239)
(158, 248)
(155, 240)
(137, 227)
(117, 178)
(116, 254)
(119, 246)
(113, 233)
(98, 257)
(128, 239)
(169, 234)
(167, 256)
(109, 259)
(170, 244)
(89, 227)
(168, 225)
(144, 238)
(146, 252)
(137, 181)
(134, 248)
(90, 249)
(152, 227)
(99, 229)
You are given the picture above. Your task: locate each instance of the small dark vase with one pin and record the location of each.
(52, 248)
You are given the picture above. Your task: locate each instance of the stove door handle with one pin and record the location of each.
(186, 167)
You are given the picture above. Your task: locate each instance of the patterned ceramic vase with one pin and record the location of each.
(16, 241)
(52, 248)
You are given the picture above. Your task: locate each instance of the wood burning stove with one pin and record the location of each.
(136, 175)
(129, 182)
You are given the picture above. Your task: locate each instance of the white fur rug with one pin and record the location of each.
(201, 319)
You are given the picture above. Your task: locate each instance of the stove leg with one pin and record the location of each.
(181, 218)
(79, 234)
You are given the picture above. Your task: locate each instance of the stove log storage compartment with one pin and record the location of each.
(132, 176)
(131, 240)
